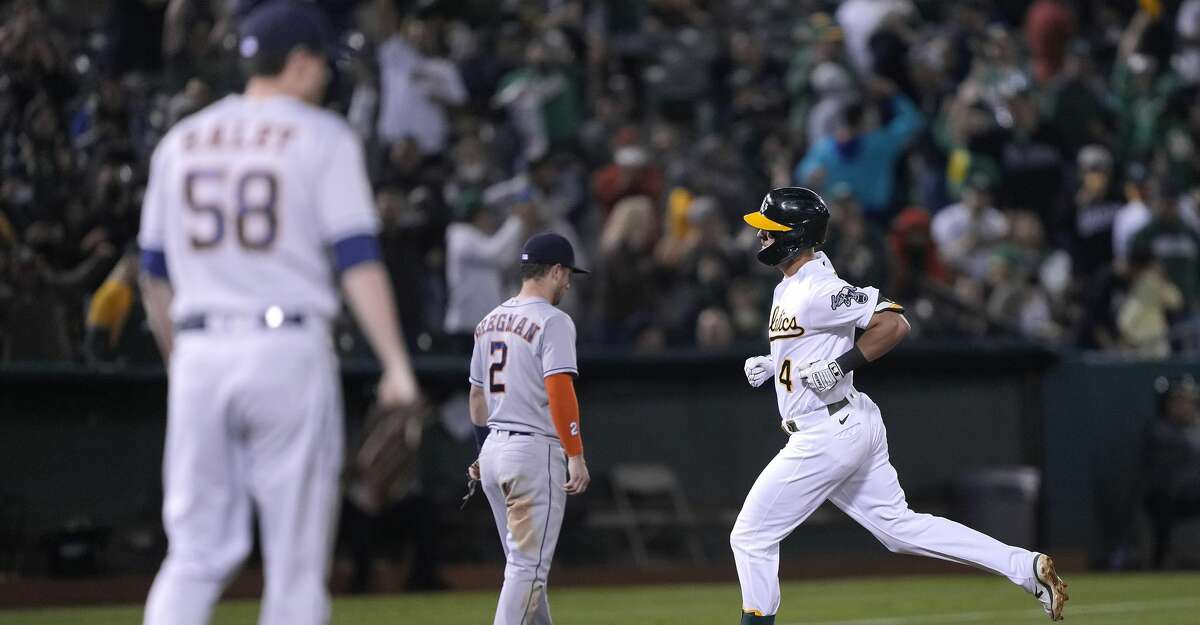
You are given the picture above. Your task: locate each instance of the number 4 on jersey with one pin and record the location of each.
(785, 374)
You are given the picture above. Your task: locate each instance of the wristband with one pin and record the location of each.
(851, 360)
(481, 434)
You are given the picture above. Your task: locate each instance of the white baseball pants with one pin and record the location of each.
(254, 424)
(523, 477)
(847, 463)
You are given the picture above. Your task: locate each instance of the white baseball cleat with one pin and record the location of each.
(1051, 590)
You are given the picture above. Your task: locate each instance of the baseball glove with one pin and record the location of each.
(384, 465)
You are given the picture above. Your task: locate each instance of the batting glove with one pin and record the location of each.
(759, 369)
(822, 375)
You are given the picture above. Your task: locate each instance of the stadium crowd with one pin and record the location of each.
(1004, 169)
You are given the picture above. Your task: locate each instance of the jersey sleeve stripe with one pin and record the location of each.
(475, 382)
(887, 305)
(355, 250)
(572, 370)
(154, 262)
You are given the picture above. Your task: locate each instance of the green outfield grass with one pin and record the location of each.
(1139, 599)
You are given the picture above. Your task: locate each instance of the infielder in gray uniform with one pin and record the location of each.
(526, 416)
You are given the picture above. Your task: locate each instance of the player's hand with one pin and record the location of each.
(398, 387)
(578, 478)
(759, 369)
(473, 470)
(822, 375)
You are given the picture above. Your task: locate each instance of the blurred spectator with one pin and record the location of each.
(1076, 101)
(1174, 246)
(862, 19)
(853, 244)
(1016, 297)
(1186, 60)
(416, 88)
(109, 311)
(1172, 459)
(542, 97)
(628, 287)
(1142, 317)
(1140, 92)
(551, 192)
(1049, 25)
(630, 173)
(832, 85)
(862, 157)
(918, 262)
(819, 44)
(1135, 214)
(966, 232)
(1086, 218)
(479, 252)
(34, 316)
(1031, 165)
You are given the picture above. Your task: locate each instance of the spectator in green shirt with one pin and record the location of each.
(1175, 246)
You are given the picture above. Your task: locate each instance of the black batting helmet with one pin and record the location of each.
(796, 217)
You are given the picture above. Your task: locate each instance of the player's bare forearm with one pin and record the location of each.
(369, 293)
(156, 298)
(477, 403)
(884, 332)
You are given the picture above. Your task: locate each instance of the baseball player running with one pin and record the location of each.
(245, 199)
(837, 444)
(523, 405)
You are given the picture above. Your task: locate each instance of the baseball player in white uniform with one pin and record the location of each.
(837, 445)
(523, 405)
(247, 200)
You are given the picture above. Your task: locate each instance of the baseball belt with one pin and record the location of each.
(267, 320)
(789, 425)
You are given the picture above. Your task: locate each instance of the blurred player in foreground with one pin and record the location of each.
(245, 199)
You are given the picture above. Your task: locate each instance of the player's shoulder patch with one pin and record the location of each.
(847, 296)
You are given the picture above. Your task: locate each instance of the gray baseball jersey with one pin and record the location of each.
(517, 345)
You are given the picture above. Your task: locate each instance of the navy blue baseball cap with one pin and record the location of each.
(549, 248)
(280, 26)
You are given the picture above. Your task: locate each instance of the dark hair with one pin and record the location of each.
(533, 271)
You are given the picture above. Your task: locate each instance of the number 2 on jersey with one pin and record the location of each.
(494, 385)
(785, 374)
(250, 206)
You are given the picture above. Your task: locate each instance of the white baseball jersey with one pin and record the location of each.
(246, 197)
(245, 200)
(840, 453)
(517, 345)
(813, 317)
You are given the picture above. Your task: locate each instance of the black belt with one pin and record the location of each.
(514, 432)
(790, 424)
(266, 320)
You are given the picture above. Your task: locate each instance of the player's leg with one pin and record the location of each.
(293, 415)
(491, 476)
(526, 474)
(873, 497)
(206, 509)
(793, 485)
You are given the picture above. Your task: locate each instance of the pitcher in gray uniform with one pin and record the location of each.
(526, 415)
